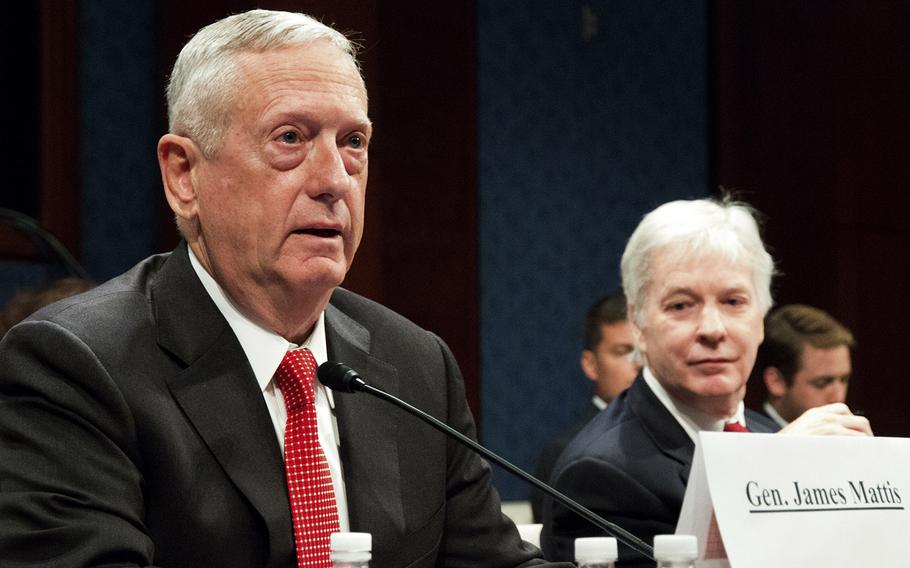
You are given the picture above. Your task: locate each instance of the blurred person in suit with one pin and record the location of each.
(804, 361)
(697, 278)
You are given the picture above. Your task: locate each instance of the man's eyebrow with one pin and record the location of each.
(684, 290)
(278, 115)
(738, 289)
(366, 126)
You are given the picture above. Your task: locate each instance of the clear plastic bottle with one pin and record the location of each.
(675, 550)
(351, 550)
(595, 552)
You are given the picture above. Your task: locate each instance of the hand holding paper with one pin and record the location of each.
(829, 420)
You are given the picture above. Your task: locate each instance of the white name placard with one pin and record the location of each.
(759, 500)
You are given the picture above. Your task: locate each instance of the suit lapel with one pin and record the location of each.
(219, 394)
(368, 428)
(661, 426)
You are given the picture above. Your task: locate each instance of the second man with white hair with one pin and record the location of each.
(697, 278)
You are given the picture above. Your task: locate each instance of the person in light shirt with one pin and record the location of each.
(697, 278)
(146, 422)
(804, 361)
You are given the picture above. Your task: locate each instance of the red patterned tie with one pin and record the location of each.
(735, 427)
(309, 480)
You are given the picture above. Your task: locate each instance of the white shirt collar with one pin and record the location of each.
(264, 349)
(774, 415)
(599, 403)
(689, 418)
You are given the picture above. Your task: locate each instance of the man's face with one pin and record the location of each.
(280, 206)
(821, 379)
(701, 329)
(610, 365)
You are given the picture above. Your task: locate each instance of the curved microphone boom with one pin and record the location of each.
(43, 238)
(342, 378)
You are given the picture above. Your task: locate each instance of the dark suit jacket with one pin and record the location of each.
(761, 410)
(551, 453)
(630, 465)
(133, 432)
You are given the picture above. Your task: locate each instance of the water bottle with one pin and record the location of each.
(595, 552)
(675, 550)
(351, 550)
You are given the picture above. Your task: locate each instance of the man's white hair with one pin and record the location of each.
(696, 228)
(203, 81)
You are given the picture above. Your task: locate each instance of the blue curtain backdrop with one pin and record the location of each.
(120, 102)
(590, 114)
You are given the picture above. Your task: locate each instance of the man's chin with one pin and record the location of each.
(720, 386)
(717, 402)
(316, 272)
(319, 281)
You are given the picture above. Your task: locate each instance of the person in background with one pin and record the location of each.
(697, 278)
(804, 361)
(607, 362)
(172, 416)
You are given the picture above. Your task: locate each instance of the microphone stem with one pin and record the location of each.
(620, 533)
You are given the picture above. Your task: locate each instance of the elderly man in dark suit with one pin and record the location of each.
(171, 416)
(697, 278)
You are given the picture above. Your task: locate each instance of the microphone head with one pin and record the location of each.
(339, 377)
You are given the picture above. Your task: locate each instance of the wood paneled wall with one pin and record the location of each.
(812, 122)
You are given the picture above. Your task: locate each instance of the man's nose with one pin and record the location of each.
(711, 325)
(838, 391)
(327, 175)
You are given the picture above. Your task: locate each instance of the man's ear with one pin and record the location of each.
(588, 364)
(177, 156)
(637, 337)
(775, 382)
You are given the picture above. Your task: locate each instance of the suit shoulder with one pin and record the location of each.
(372, 314)
(601, 436)
(759, 422)
(385, 334)
(119, 302)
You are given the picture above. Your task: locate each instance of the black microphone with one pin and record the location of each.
(341, 378)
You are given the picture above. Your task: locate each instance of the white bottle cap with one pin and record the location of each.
(675, 547)
(595, 548)
(351, 542)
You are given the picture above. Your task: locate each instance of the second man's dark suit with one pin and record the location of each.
(133, 432)
(551, 453)
(630, 465)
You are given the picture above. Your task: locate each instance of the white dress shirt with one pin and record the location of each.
(692, 421)
(265, 350)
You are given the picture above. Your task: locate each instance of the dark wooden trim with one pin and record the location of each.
(58, 126)
(59, 120)
(812, 125)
